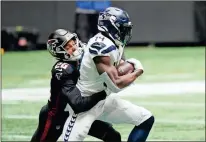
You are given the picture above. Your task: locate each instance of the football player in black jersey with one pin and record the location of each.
(67, 49)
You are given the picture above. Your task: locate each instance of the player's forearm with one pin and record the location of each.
(86, 103)
(125, 80)
(79, 103)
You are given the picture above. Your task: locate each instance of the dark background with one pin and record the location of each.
(167, 21)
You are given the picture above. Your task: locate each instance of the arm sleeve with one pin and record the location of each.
(80, 103)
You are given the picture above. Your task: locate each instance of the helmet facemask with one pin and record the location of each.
(126, 33)
(76, 55)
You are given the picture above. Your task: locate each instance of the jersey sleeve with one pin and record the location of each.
(101, 49)
(61, 70)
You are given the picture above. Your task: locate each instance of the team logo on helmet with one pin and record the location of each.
(51, 45)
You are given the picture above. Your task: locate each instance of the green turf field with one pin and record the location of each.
(31, 69)
(178, 116)
(182, 121)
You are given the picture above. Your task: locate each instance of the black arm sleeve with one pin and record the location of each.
(79, 103)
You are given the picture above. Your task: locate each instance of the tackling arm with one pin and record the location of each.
(79, 103)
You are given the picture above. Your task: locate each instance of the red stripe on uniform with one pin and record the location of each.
(51, 114)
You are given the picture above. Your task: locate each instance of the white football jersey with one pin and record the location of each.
(90, 81)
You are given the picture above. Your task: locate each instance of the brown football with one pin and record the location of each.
(124, 68)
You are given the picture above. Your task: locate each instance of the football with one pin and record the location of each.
(124, 68)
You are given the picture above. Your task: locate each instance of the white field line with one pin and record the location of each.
(10, 102)
(171, 88)
(21, 117)
(139, 90)
(26, 137)
(39, 82)
(192, 122)
(169, 76)
(145, 77)
(171, 104)
(10, 136)
(155, 103)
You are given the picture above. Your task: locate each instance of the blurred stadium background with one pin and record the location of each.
(172, 87)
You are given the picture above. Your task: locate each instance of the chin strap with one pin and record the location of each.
(121, 50)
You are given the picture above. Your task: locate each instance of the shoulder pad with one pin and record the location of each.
(100, 45)
(61, 69)
(96, 47)
(99, 48)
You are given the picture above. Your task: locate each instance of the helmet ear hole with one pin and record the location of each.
(66, 56)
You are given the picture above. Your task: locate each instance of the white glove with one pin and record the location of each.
(137, 64)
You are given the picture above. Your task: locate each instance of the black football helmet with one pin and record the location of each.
(56, 42)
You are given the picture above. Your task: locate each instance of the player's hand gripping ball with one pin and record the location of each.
(125, 68)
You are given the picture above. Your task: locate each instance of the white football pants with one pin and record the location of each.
(113, 109)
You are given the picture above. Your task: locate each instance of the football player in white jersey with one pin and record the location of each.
(98, 72)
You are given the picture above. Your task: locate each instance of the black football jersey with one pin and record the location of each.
(63, 89)
(64, 78)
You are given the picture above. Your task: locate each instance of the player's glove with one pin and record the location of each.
(136, 63)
